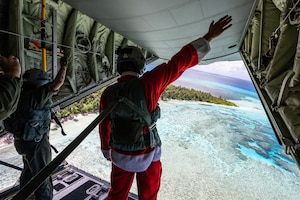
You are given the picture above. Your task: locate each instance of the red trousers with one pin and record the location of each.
(148, 182)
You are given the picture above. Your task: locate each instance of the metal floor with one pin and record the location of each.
(71, 183)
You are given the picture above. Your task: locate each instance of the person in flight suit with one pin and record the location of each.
(31, 134)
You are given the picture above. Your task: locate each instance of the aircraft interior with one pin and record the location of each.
(264, 35)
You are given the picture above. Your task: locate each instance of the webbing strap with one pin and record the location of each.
(146, 116)
(53, 116)
(34, 183)
(10, 165)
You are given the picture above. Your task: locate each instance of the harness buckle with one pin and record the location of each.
(152, 126)
(34, 124)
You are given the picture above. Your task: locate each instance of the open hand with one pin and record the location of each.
(216, 29)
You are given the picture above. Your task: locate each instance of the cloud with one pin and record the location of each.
(234, 69)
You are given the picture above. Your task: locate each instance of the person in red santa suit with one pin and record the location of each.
(128, 134)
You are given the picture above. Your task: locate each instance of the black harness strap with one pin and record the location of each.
(54, 149)
(53, 116)
(10, 165)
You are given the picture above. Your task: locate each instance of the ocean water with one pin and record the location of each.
(224, 153)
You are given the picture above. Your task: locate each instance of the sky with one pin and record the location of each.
(226, 68)
(226, 79)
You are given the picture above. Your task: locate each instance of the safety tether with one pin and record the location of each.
(10, 165)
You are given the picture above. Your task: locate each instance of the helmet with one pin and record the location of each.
(133, 55)
(36, 77)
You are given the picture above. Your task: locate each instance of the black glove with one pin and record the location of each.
(63, 61)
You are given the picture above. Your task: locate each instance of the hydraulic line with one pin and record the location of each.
(43, 36)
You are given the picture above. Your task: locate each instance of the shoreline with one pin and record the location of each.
(8, 139)
(240, 105)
